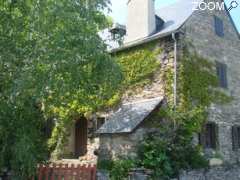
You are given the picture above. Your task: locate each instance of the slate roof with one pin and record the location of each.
(129, 116)
(174, 16)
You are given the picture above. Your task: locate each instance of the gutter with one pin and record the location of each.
(142, 41)
(175, 71)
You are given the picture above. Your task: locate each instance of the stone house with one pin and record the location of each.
(213, 35)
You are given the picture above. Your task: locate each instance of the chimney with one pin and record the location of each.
(141, 19)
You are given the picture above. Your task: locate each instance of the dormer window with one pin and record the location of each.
(218, 23)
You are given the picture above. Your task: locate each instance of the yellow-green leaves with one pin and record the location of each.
(138, 65)
(50, 52)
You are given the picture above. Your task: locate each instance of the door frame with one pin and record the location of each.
(81, 137)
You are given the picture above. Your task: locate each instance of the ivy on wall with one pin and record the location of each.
(171, 148)
(198, 88)
(137, 67)
(198, 83)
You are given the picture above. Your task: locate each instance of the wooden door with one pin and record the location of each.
(81, 137)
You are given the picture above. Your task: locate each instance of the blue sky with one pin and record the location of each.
(119, 10)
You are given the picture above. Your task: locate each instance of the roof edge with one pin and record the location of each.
(143, 41)
(231, 21)
(153, 109)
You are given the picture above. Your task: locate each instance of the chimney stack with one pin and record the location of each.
(141, 19)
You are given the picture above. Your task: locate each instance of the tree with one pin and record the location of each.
(52, 64)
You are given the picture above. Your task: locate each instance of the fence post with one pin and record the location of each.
(53, 168)
(60, 171)
(40, 172)
(47, 167)
(94, 172)
(79, 170)
(72, 170)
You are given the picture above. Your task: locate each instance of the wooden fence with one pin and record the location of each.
(66, 172)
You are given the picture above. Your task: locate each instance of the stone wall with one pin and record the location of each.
(117, 145)
(215, 173)
(156, 87)
(112, 146)
(199, 31)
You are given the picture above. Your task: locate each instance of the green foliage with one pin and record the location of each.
(51, 57)
(170, 149)
(23, 145)
(153, 155)
(138, 65)
(121, 169)
(118, 169)
(105, 164)
(198, 83)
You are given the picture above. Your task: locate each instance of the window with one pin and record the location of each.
(208, 137)
(236, 137)
(222, 74)
(218, 23)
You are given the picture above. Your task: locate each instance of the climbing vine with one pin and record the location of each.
(137, 67)
(198, 83)
(198, 88)
(170, 149)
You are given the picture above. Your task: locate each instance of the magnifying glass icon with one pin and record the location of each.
(233, 5)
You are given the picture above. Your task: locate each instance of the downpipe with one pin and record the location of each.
(175, 72)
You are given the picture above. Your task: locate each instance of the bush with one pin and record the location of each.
(121, 169)
(153, 155)
(170, 150)
(105, 165)
(118, 169)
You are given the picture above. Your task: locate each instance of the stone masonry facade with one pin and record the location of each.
(200, 33)
(214, 173)
(199, 30)
(112, 146)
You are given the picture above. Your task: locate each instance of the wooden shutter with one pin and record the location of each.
(218, 24)
(211, 134)
(214, 142)
(208, 135)
(208, 138)
(238, 137)
(235, 138)
(222, 74)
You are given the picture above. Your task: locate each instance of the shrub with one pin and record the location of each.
(170, 150)
(121, 169)
(118, 169)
